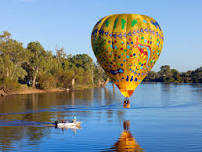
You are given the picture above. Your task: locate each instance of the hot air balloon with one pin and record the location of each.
(127, 46)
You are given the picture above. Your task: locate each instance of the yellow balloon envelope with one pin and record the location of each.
(127, 46)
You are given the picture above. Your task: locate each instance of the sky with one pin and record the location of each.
(69, 23)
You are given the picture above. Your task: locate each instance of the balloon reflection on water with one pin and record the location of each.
(126, 141)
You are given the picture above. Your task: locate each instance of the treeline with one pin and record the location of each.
(36, 67)
(39, 68)
(168, 75)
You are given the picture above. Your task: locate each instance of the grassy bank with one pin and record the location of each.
(30, 90)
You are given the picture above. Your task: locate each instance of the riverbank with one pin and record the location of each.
(29, 91)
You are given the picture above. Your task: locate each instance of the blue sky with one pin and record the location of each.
(68, 24)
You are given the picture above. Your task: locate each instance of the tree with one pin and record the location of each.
(152, 76)
(165, 74)
(196, 75)
(12, 56)
(82, 67)
(100, 77)
(37, 54)
(176, 75)
(47, 77)
(186, 77)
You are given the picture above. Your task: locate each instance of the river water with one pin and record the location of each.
(161, 118)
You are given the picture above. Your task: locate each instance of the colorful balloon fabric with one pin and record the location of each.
(127, 46)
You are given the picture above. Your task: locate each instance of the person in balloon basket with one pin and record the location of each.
(126, 101)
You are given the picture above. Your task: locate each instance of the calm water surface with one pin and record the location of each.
(161, 118)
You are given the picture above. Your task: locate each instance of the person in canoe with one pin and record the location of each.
(66, 123)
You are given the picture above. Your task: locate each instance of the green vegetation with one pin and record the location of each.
(173, 76)
(38, 68)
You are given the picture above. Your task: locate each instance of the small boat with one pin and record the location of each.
(67, 124)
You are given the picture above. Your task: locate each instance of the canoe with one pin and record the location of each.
(68, 124)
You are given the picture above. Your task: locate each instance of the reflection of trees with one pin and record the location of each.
(46, 108)
(196, 85)
(197, 89)
(126, 141)
(165, 87)
(108, 96)
(22, 108)
(114, 93)
(166, 93)
(73, 97)
(35, 134)
(83, 96)
(98, 94)
(8, 135)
